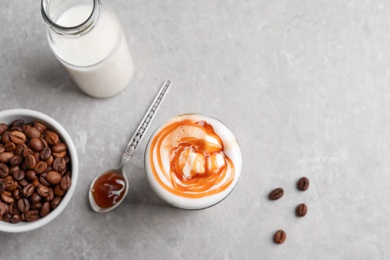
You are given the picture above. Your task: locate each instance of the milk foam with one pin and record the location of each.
(231, 150)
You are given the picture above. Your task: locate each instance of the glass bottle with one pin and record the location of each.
(86, 37)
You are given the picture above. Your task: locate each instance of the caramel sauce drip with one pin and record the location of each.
(211, 180)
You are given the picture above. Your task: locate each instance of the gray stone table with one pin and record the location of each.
(304, 85)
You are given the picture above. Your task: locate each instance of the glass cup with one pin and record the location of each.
(193, 161)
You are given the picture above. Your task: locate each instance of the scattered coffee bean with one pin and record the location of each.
(301, 210)
(276, 194)
(303, 184)
(280, 237)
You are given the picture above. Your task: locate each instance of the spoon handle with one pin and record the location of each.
(144, 125)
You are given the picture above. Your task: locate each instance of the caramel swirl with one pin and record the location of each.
(198, 166)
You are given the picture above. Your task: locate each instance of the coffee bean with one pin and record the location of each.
(35, 183)
(2, 149)
(51, 137)
(6, 156)
(17, 125)
(40, 127)
(53, 177)
(18, 175)
(23, 205)
(59, 164)
(3, 128)
(5, 137)
(43, 180)
(55, 202)
(50, 195)
(58, 191)
(2, 187)
(20, 149)
(7, 217)
(276, 194)
(31, 215)
(42, 190)
(41, 167)
(4, 170)
(280, 237)
(35, 198)
(301, 210)
(45, 153)
(303, 184)
(59, 155)
(32, 132)
(23, 182)
(15, 160)
(50, 161)
(65, 183)
(15, 219)
(9, 147)
(36, 205)
(45, 209)
(30, 161)
(2, 208)
(31, 175)
(28, 190)
(10, 183)
(16, 194)
(14, 169)
(36, 144)
(60, 147)
(17, 137)
(6, 197)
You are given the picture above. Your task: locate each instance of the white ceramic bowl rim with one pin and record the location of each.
(8, 116)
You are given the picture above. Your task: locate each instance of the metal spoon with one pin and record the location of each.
(121, 179)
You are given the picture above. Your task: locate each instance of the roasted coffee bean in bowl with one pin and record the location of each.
(38, 169)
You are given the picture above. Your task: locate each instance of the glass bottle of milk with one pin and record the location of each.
(86, 37)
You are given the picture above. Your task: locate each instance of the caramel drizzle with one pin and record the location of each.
(198, 185)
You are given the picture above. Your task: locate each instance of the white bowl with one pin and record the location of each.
(8, 116)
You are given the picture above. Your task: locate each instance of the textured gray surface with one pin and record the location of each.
(303, 84)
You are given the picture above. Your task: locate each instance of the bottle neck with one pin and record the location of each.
(52, 9)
